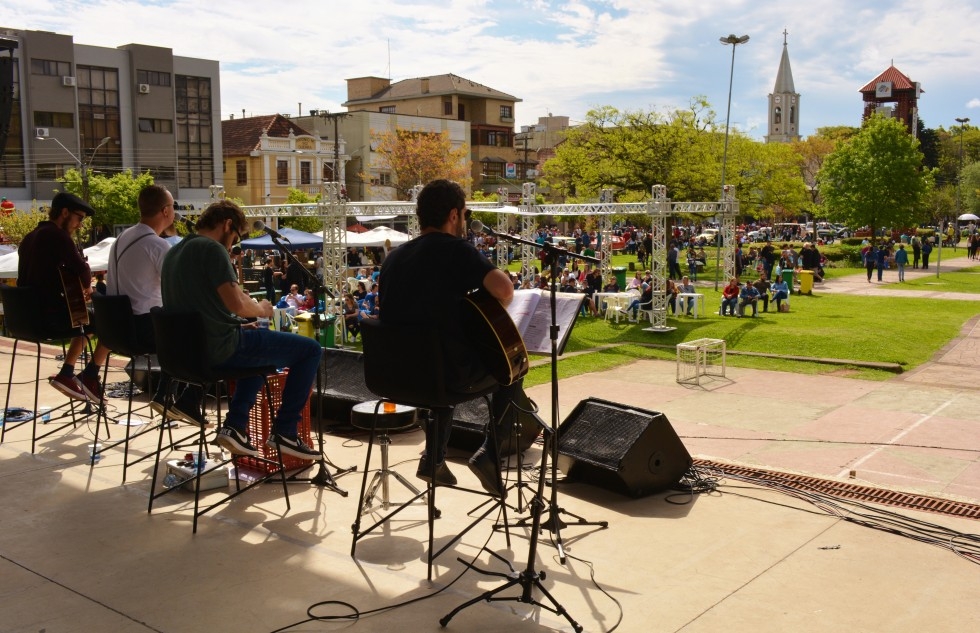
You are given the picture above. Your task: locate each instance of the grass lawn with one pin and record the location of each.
(907, 331)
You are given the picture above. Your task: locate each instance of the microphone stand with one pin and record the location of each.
(529, 578)
(553, 521)
(323, 477)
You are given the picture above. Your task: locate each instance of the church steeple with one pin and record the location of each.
(784, 103)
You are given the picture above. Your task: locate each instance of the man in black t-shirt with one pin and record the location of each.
(424, 282)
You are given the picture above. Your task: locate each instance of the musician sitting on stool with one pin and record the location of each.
(51, 264)
(424, 282)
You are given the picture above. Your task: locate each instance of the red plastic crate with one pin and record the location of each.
(259, 421)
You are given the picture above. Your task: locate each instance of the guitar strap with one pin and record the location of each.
(117, 256)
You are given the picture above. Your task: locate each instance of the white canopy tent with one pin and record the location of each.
(379, 236)
(98, 259)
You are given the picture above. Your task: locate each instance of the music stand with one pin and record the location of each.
(323, 477)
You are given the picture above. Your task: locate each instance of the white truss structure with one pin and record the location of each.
(335, 211)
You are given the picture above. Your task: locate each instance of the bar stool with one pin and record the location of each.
(20, 318)
(116, 324)
(182, 351)
(390, 418)
(388, 351)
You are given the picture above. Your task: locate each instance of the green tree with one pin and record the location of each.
(20, 223)
(307, 223)
(970, 188)
(113, 197)
(416, 157)
(875, 178)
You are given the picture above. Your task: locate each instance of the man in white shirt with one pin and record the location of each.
(135, 261)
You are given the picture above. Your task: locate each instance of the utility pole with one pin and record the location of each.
(335, 117)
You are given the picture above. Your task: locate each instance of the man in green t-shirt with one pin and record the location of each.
(198, 276)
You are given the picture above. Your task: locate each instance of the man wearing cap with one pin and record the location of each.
(48, 255)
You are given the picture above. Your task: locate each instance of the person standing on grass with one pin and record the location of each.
(926, 250)
(916, 251)
(901, 258)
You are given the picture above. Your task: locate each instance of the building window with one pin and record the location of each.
(51, 172)
(792, 114)
(387, 109)
(153, 77)
(506, 112)
(12, 153)
(383, 179)
(99, 116)
(282, 172)
(54, 119)
(447, 108)
(157, 126)
(241, 172)
(195, 149)
(327, 173)
(305, 172)
(50, 67)
(493, 170)
(777, 115)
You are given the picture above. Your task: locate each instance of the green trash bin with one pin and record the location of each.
(619, 272)
(328, 333)
(788, 278)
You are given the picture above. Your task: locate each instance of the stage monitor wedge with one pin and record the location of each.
(621, 448)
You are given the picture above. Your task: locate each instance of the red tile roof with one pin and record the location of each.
(892, 74)
(242, 136)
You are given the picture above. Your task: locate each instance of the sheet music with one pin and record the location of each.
(531, 312)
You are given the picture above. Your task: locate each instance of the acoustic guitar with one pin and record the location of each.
(495, 337)
(74, 294)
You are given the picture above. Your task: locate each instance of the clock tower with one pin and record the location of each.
(892, 94)
(784, 103)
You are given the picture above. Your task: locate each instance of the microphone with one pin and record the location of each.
(477, 227)
(187, 222)
(259, 225)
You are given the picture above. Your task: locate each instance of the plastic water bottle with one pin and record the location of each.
(263, 323)
(45, 414)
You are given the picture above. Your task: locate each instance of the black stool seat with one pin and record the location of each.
(401, 419)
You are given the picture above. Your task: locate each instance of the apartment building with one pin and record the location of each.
(134, 107)
(495, 159)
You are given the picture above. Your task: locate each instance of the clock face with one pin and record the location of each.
(792, 99)
(778, 99)
(884, 89)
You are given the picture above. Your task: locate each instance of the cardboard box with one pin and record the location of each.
(214, 476)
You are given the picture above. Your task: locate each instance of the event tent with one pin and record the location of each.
(295, 239)
(379, 236)
(98, 259)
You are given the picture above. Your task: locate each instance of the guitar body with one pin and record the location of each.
(74, 296)
(495, 337)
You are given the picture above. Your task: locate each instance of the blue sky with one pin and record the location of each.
(561, 57)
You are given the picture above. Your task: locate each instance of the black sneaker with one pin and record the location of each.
(444, 477)
(235, 442)
(487, 470)
(292, 446)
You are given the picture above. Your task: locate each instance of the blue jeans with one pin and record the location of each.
(264, 348)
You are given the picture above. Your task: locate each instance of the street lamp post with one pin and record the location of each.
(734, 40)
(959, 176)
(83, 164)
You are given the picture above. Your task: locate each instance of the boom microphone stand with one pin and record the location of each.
(323, 477)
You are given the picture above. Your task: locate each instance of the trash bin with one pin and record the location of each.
(788, 278)
(304, 323)
(328, 331)
(806, 282)
(620, 273)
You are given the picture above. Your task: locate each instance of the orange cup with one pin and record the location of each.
(389, 407)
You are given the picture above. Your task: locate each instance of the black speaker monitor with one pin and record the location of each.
(621, 448)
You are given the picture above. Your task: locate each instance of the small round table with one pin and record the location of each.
(362, 416)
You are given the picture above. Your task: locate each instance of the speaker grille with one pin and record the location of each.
(602, 434)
